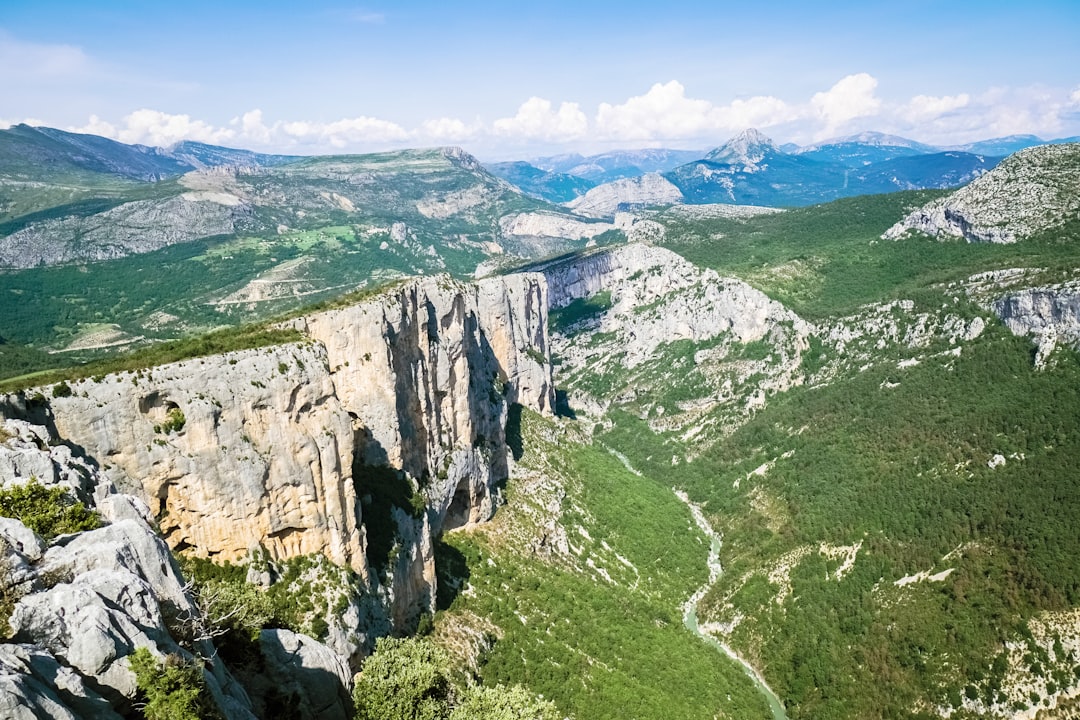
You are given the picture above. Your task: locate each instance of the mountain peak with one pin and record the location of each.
(874, 139)
(747, 148)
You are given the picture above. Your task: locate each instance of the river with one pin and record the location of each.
(691, 605)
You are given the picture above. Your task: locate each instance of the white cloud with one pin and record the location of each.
(850, 98)
(446, 130)
(344, 133)
(537, 120)
(665, 113)
(923, 108)
(153, 127)
(1075, 97)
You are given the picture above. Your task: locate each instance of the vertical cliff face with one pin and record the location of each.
(230, 452)
(428, 372)
(257, 448)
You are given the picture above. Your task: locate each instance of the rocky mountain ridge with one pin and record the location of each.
(1030, 192)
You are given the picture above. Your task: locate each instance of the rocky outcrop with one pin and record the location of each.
(656, 300)
(1050, 315)
(643, 275)
(551, 225)
(605, 200)
(136, 227)
(33, 685)
(429, 372)
(82, 605)
(1030, 192)
(300, 676)
(256, 449)
(230, 452)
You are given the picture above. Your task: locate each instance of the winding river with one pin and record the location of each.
(690, 610)
(690, 618)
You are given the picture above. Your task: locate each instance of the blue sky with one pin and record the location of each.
(504, 80)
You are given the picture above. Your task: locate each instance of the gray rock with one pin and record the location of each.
(33, 685)
(302, 674)
(605, 200)
(1030, 191)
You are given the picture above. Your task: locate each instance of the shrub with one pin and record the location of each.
(174, 689)
(405, 679)
(61, 390)
(504, 703)
(48, 511)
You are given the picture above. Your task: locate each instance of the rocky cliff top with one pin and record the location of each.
(1031, 191)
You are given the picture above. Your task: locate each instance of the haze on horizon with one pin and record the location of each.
(515, 82)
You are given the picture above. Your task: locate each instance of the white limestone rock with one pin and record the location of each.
(1031, 191)
(605, 200)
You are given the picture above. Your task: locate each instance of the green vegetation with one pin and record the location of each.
(174, 422)
(578, 310)
(307, 592)
(405, 679)
(244, 337)
(409, 679)
(827, 260)
(896, 460)
(48, 511)
(504, 703)
(598, 632)
(173, 688)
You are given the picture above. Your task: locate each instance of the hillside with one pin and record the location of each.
(1032, 192)
(226, 244)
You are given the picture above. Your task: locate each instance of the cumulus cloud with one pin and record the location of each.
(344, 133)
(446, 130)
(850, 98)
(153, 127)
(537, 119)
(922, 108)
(663, 112)
(666, 113)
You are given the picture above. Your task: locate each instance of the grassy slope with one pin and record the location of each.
(902, 469)
(598, 648)
(827, 260)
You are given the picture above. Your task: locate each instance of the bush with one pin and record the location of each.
(48, 511)
(174, 689)
(61, 390)
(504, 703)
(405, 679)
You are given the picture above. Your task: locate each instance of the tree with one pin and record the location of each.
(504, 703)
(405, 679)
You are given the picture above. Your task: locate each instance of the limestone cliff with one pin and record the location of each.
(256, 448)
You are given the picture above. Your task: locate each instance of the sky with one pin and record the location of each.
(512, 81)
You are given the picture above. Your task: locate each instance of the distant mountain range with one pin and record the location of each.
(786, 175)
(39, 152)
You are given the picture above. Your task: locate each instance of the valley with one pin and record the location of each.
(641, 454)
